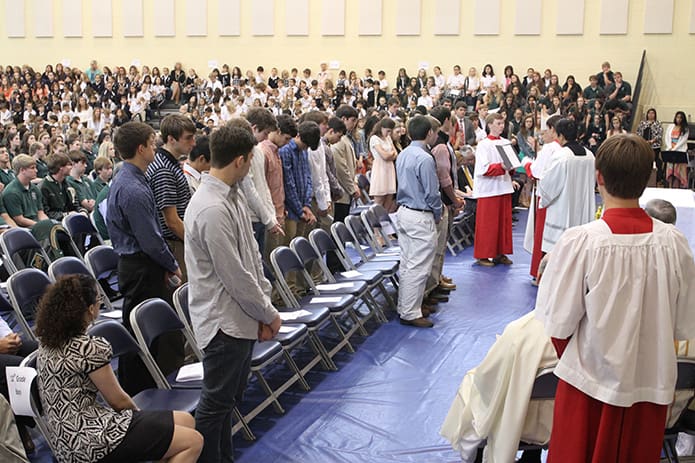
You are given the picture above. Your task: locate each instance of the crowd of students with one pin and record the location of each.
(297, 144)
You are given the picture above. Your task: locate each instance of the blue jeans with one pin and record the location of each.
(226, 366)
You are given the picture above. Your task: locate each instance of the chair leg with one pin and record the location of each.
(387, 296)
(293, 366)
(245, 429)
(326, 360)
(266, 387)
(345, 341)
(378, 313)
(358, 321)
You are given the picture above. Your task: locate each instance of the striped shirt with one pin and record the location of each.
(170, 187)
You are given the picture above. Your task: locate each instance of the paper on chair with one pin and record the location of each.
(287, 329)
(192, 372)
(323, 300)
(19, 387)
(333, 286)
(289, 316)
(115, 314)
(351, 274)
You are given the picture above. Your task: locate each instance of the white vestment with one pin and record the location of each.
(623, 299)
(493, 400)
(567, 192)
(538, 168)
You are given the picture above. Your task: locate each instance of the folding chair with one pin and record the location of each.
(364, 201)
(375, 230)
(685, 381)
(323, 244)
(361, 233)
(314, 319)
(388, 227)
(293, 337)
(284, 261)
(154, 317)
(35, 401)
(358, 288)
(102, 262)
(73, 266)
(162, 398)
(25, 288)
(343, 236)
(83, 233)
(20, 247)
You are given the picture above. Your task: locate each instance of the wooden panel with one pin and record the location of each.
(614, 15)
(570, 17)
(408, 17)
(72, 18)
(102, 18)
(447, 17)
(43, 18)
(165, 18)
(134, 25)
(333, 17)
(297, 17)
(197, 18)
(487, 17)
(15, 18)
(229, 17)
(528, 17)
(370, 17)
(658, 16)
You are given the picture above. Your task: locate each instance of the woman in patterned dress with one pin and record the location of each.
(73, 367)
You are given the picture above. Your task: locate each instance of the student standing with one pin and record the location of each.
(616, 294)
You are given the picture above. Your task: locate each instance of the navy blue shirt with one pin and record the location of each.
(132, 218)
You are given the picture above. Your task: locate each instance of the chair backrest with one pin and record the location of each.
(375, 220)
(25, 288)
(102, 261)
(545, 385)
(149, 320)
(284, 260)
(83, 233)
(73, 266)
(122, 342)
(342, 236)
(355, 226)
(19, 245)
(181, 305)
(308, 255)
(686, 374)
(323, 244)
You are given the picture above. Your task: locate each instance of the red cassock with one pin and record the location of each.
(493, 222)
(586, 430)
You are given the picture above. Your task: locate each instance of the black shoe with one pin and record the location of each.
(418, 323)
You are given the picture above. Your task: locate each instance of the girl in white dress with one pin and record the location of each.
(383, 180)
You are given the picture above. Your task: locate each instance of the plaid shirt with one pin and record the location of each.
(297, 179)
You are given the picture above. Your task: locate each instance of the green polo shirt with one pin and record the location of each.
(83, 188)
(41, 168)
(97, 186)
(19, 200)
(6, 176)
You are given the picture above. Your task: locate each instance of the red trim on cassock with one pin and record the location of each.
(527, 168)
(586, 430)
(492, 137)
(493, 227)
(494, 170)
(560, 345)
(539, 226)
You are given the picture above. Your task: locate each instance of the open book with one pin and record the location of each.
(509, 156)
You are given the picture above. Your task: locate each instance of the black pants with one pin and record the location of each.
(340, 211)
(140, 278)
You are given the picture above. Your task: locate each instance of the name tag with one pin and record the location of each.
(19, 381)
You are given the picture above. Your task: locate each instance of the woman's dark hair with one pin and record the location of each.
(684, 122)
(492, 71)
(383, 123)
(61, 312)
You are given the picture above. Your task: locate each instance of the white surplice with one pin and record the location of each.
(624, 299)
(538, 168)
(566, 190)
(493, 400)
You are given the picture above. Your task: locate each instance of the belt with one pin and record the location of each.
(414, 209)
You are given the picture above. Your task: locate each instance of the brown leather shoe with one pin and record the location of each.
(485, 262)
(446, 279)
(504, 260)
(430, 308)
(425, 312)
(418, 323)
(446, 286)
